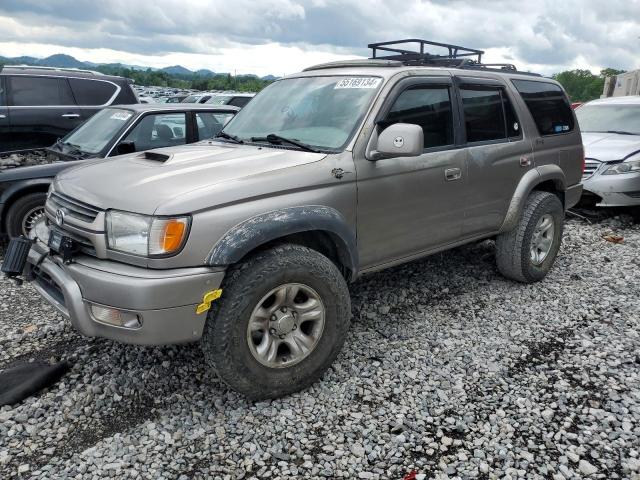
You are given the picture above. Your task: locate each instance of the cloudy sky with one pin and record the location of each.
(283, 36)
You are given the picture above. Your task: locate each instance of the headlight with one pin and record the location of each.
(145, 235)
(628, 166)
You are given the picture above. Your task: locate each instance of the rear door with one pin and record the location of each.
(42, 109)
(4, 119)
(497, 152)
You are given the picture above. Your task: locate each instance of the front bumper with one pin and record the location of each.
(621, 190)
(164, 300)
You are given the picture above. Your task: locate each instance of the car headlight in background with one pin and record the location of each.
(628, 166)
(145, 235)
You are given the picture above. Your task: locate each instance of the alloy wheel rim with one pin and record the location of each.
(32, 217)
(542, 240)
(286, 325)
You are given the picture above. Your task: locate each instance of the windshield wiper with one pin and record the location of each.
(228, 136)
(277, 139)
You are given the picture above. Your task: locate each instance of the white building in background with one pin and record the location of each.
(622, 85)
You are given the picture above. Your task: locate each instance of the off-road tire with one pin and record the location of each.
(513, 248)
(224, 340)
(19, 209)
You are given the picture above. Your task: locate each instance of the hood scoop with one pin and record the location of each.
(156, 156)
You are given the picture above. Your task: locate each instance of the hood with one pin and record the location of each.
(609, 147)
(143, 182)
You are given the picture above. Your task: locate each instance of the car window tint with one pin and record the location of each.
(158, 130)
(430, 108)
(513, 124)
(483, 114)
(209, 123)
(239, 101)
(39, 91)
(92, 92)
(548, 105)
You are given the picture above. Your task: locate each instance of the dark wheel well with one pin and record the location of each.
(551, 186)
(322, 242)
(38, 188)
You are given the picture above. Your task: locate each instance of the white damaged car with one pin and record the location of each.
(611, 136)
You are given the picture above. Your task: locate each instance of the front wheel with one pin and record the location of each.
(280, 323)
(25, 213)
(527, 253)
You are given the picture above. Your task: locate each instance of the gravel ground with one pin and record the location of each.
(449, 371)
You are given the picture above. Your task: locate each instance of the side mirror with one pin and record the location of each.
(399, 140)
(126, 147)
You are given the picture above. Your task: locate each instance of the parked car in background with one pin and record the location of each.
(611, 135)
(176, 98)
(344, 169)
(198, 98)
(110, 132)
(41, 104)
(235, 99)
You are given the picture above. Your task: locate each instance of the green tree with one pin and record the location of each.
(582, 85)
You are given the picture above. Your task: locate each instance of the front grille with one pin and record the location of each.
(590, 167)
(73, 208)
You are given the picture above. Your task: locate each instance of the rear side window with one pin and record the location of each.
(430, 108)
(488, 114)
(158, 130)
(548, 105)
(39, 91)
(92, 92)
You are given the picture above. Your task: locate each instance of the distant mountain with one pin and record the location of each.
(177, 70)
(67, 61)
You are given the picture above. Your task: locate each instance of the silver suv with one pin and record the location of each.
(247, 242)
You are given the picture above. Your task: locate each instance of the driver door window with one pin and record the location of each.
(428, 107)
(157, 131)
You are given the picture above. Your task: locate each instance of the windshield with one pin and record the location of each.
(322, 112)
(93, 135)
(192, 99)
(609, 118)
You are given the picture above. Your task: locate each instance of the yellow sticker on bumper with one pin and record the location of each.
(208, 298)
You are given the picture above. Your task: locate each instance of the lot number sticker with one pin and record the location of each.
(361, 82)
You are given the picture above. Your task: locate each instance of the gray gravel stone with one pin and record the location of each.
(448, 370)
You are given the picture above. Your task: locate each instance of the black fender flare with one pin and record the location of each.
(266, 227)
(527, 184)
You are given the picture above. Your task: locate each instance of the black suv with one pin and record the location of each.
(38, 105)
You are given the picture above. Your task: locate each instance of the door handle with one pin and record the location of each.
(70, 115)
(451, 174)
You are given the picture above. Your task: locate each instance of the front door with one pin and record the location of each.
(410, 205)
(42, 109)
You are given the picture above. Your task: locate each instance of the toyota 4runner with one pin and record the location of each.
(247, 242)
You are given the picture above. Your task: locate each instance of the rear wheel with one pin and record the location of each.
(527, 253)
(280, 323)
(25, 213)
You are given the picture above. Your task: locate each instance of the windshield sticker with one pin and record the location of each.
(361, 82)
(120, 116)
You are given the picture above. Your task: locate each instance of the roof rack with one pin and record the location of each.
(59, 69)
(413, 51)
(455, 52)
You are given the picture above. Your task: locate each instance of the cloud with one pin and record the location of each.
(546, 35)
